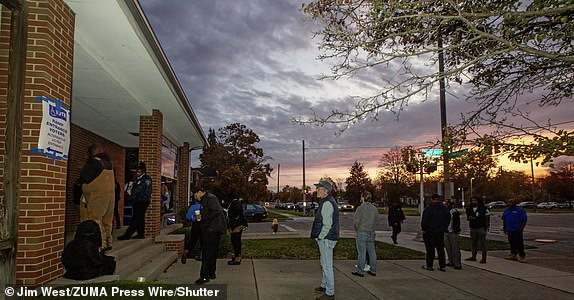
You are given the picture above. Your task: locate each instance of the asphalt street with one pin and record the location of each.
(559, 227)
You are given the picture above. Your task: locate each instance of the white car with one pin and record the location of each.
(547, 205)
(345, 206)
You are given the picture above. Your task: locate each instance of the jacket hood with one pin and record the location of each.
(89, 230)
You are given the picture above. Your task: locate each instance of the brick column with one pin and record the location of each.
(42, 202)
(151, 136)
(182, 182)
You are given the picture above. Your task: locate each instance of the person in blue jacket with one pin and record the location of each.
(195, 234)
(514, 220)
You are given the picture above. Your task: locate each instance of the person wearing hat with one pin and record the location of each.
(141, 198)
(325, 231)
(434, 224)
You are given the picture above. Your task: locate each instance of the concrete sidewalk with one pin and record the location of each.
(396, 279)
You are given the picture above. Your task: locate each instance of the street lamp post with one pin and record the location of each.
(471, 179)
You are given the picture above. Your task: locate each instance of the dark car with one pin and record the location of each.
(254, 212)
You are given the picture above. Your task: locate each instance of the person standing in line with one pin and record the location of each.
(236, 224)
(141, 198)
(396, 217)
(194, 215)
(212, 227)
(452, 238)
(514, 220)
(365, 223)
(478, 217)
(325, 231)
(98, 190)
(434, 223)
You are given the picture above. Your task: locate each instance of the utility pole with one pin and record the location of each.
(278, 171)
(304, 185)
(443, 123)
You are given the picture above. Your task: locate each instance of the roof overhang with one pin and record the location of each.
(121, 72)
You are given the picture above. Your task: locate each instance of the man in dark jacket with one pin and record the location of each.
(141, 198)
(434, 223)
(478, 217)
(452, 239)
(396, 217)
(325, 231)
(213, 225)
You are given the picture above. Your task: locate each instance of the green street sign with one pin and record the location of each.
(457, 153)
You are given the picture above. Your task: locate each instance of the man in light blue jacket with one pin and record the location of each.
(365, 221)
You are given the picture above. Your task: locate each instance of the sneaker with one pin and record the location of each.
(320, 289)
(450, 265)
(371, 273)
(442, 269)
(325, 297)
(483, 260)
(139, 237)
(522, 258)
(428, 268)
(367, 268)
(510, 256)
(458, 268)
(184, 256)
(471, 259)
(358, 274)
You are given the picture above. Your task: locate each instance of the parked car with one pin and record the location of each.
(254, 212)
(547, 205)
(289, 206)
(345, 206)
(563, 205)
(307, 205)
(526, 204)
(496, 204)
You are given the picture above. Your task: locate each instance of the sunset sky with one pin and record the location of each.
(254, 62)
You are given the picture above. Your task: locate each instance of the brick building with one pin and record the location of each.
(103, 62)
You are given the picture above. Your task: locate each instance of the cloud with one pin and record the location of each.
(254, 62)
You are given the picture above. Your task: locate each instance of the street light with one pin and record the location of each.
(471, 188)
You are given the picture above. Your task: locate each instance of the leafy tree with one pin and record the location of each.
(507, 184)
(241, 166)
(478, 163)
(560, 182)
(357, 183)
(504, 48)
(393, 176)
(290, 194)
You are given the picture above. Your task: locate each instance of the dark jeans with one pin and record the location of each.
(516, 241)
(209, 253)
(117, 215)
(434, 240)
(194, 237)
(396, 230)
(138, 219)
(236, 243)
(478, 240)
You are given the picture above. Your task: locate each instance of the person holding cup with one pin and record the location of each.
(213, 225)
(194, 215)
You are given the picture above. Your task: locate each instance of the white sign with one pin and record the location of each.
(54, 140)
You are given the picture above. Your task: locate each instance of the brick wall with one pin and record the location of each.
(182, 182)
(81, 139)
(43, 181)
(151, 136)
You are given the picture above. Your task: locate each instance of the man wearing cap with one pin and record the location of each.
(141, 198)
(325, 231)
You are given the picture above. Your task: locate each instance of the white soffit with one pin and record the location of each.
(117, 77)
